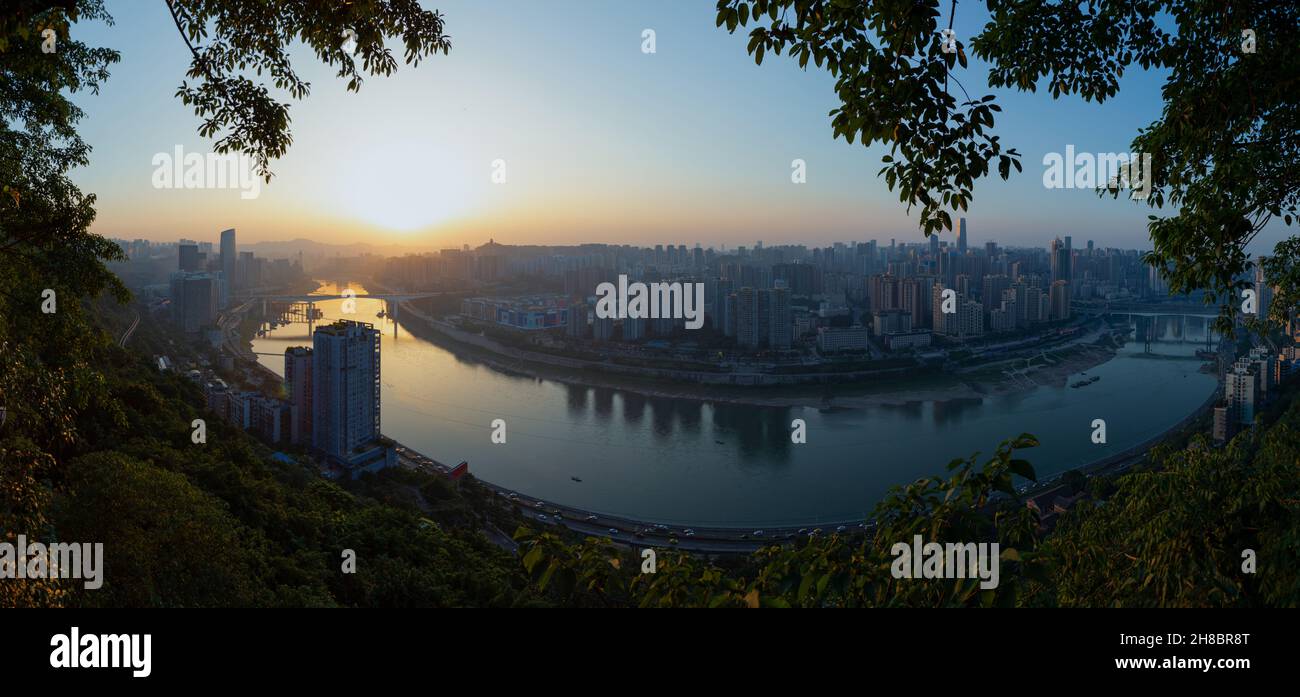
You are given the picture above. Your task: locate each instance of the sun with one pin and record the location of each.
(406, 186)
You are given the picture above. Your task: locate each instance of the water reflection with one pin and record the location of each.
(692, 461)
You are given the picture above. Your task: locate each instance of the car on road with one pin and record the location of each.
(544, 519)
(590, 518)
(689, 532)
(612, 531)
(758, 533)
(840, 529)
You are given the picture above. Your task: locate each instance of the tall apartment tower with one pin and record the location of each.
(1059, 300)
(781, 331)
(188, 255)
(1060, 258)
(961, 237)
(297, 385)
(229, 257)
(748, 327)
(345, 387)
(1241, 389)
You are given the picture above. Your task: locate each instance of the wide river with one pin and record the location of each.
(689, 462)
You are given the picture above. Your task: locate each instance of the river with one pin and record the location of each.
(688, 462)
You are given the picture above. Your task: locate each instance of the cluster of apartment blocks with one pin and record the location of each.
(274, 420)
(203, 282)
(1248, 384)
(331, 404)
(904, 313)
(772, 297)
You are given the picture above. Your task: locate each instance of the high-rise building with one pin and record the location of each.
(781, 332)
(991, 293)
(961, 236)
(731, 316)
(1157, 281)
(917, 293)
(578, 328)
(188, 253)
(941, 322)
(1060, 258)
(194, 298)
(249, 270)
(1059, 300)
(345, 388)
(747, 317)
(229, 257)
(1241, 389)
(970, 318)
(297, 385)
(1263, 291)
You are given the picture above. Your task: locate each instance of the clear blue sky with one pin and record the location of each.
(601, 142)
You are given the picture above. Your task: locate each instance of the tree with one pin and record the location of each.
(1226, 149)
(52, 376)
(836, 570)
(229, 37)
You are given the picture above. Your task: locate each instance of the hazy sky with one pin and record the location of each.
(601, 142)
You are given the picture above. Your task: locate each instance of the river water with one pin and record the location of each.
(688, 462)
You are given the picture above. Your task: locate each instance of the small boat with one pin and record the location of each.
(575, 479)
(719, 442)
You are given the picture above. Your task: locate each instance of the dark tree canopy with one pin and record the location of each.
(1226, 149)
(55, 393)
(233, 39)
(90, 433)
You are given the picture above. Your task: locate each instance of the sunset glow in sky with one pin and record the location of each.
(601, 142)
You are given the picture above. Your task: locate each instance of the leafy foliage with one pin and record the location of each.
(94, 445)
(828, 571)
(892, 78)
(1226, 149)
(229, 39)
(1171, 534)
